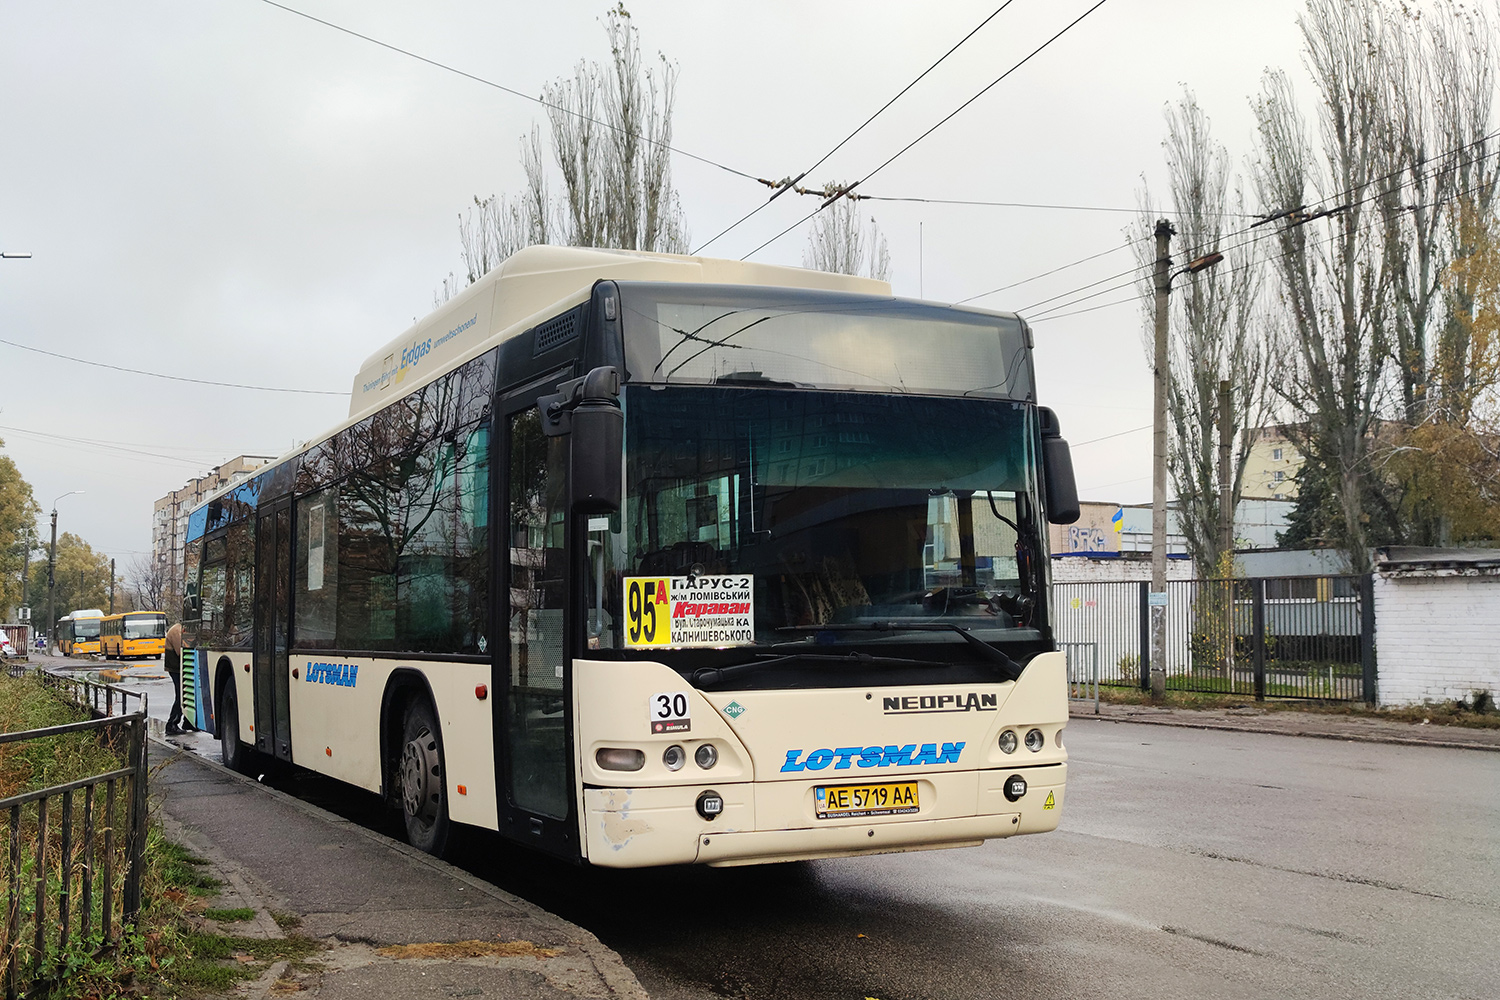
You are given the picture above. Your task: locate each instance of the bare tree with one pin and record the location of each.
(1215, 332)
(1437, 110)
(611, 131)
(147, 581)
(1334, 334)
(839, 240)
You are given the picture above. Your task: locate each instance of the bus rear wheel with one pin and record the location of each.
(424, 797)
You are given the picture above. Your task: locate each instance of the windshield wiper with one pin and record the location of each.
(705, 676)
(1009, 668)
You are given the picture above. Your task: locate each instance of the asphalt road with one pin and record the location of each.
(1190, 864)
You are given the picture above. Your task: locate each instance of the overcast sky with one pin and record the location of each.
(224, 190)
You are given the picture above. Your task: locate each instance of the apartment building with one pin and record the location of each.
(169, 515)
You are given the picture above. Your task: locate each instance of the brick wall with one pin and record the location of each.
(1437, 636)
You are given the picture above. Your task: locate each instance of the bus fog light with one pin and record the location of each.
(1035, 741)
(674, 757)
(1015, 787)
(706, 756)
(1008, 741)
(619, 759)
(1057, 738)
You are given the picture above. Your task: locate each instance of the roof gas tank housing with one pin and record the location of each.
(537, 284)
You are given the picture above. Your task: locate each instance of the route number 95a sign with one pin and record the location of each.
(689, 611)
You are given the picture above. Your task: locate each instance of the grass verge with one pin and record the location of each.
(167, 953)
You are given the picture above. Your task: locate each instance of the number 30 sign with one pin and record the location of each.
(669, 712)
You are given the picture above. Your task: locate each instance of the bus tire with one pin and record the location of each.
(236, 755)
(424, 796)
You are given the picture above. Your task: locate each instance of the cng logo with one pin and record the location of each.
(734, 710)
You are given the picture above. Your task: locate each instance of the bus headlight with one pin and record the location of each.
(1008, 741)
(706, 756)
(1035, 741)
(619, 759)
(674, 757)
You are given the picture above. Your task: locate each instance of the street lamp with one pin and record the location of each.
(52, 576)
(1161, 362)
(14, 256)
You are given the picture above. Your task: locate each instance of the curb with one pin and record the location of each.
(612, 970)
(1391, 739)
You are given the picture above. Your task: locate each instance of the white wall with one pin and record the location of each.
(1437, 637)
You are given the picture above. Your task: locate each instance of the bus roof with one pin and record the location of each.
(539, 281)
(528, 287)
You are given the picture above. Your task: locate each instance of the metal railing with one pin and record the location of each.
(1083, 670)
(1279, 637)
(64, 869)
(101, 700)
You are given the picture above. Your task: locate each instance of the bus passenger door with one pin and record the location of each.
(534, 723)
(273, 563)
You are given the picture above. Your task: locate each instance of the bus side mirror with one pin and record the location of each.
(1057, 472)
(588, 409)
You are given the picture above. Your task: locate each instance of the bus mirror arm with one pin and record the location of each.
(600, 386)
(1057, 470)
(588, 409)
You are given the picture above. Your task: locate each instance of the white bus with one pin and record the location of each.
(643, 559)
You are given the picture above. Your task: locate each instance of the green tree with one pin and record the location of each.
(82, 579)
(18, 511)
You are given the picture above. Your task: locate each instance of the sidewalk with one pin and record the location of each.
(360, 892)
(1296, 723)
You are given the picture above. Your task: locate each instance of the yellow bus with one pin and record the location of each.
(132, 634)
(78, 633)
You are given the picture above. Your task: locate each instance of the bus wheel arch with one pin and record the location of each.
(223, 681)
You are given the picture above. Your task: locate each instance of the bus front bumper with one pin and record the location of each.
(638, 827)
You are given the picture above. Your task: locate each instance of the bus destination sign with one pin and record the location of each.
(689, 610)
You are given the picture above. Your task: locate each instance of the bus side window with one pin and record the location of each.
(317, 570)
(240, 612)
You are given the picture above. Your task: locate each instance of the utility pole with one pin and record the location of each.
(111, 586)
(1226, 488)
(1226, 524)
(52, 575)
(52, 581)
(1161, 363)
(30, 543)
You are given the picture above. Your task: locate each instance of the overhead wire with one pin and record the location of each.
(939, 124)
(104, 446)
(855, 196)
(1051, 314)
(1315, 209)
(1107, 437)
(1045, 274)
(789, 183)
(1301, 216)
(172, 378)
(438, 64)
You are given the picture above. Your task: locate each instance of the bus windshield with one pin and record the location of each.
(145, 626)
(86, 628)
(681, 334)
(767, 512)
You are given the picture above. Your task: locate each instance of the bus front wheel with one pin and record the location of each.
(424, 797)
(236, 755)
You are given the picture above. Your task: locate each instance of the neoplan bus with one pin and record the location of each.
(643, 559)
(78, 633)
(133, 634)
